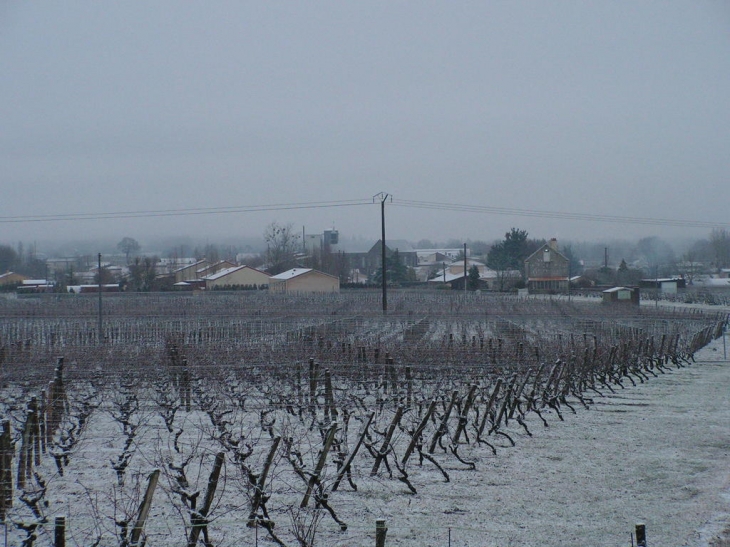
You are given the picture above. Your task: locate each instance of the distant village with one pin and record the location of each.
(295, 262)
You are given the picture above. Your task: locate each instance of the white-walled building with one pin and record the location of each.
(303, 280)
(237, 277)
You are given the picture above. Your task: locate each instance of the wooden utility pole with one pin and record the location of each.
(383, 198)
(101, 337)
(465, 272)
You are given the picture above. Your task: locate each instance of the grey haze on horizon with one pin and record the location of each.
(594, 108)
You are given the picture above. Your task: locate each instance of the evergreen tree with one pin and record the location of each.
(473, 278)
(509, 254)
(396, 271)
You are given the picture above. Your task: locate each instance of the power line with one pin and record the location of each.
(184, 212)
(405, 203)
(556, 214)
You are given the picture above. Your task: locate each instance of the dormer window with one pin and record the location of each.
(546, 255)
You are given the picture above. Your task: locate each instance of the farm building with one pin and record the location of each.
(12, 278)
(303, 280)
(31, 286)
(189, 272)
(621, 295)
(209, 269)
(665, 284)
(236, 277)
(547, 270)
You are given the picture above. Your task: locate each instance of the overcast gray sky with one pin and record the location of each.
(593, 109)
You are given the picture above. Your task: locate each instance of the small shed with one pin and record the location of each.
(183, 286)
(621, 295)
(665, 284)
(303, 280)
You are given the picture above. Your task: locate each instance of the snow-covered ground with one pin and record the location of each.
(657, 453)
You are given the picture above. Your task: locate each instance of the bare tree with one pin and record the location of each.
(282, 243)
(720, 240)
(128, 246)
(690, 266)
(142, 273)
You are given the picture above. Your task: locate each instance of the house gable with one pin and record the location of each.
(547, 270)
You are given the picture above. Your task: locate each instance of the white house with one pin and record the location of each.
(455, 271)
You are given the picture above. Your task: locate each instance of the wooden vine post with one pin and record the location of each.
(144, 508)
(312, 384)
(59, 532)
(6, 472)
(199, 520)
(42, 414)
(346, 466)
(35, 431)
(441, 431)
(380, 532)
(314, 479)
(258, 497)
(56, 402)
(409, 387)
(463, 418)
(25, 456)
(329, 409)
(488, 409)
(418, 432)
(386, 441)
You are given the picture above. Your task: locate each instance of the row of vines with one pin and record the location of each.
(227, 419)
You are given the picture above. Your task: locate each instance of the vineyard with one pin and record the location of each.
(238, 419)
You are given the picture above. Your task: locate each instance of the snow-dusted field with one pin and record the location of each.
(656, 452)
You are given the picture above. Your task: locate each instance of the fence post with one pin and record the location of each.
(640, 535)
(380, 531)
(59, 537)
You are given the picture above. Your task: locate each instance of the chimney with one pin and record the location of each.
(553, 244)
